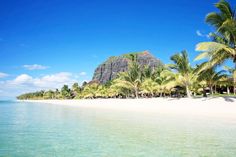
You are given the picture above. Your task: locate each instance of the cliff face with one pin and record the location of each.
(114, 65)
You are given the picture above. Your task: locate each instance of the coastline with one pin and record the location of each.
(220, 107)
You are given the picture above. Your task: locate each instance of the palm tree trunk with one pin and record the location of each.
(234, 77)
(212, 92)
(152, 94)
(228, 92)
(136, 93)
(188, 92)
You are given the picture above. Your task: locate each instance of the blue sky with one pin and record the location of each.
(48, 40)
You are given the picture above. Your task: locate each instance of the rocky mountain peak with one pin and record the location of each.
(109, 69)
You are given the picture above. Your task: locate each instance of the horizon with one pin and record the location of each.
(47, 44)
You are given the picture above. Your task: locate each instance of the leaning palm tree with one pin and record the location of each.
(224, 21)
(184, 75)
(223, 46)
(130, 80)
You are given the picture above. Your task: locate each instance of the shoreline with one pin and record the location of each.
(210, 107)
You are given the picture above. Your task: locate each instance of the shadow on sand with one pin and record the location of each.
(230, 98)
(226, 98)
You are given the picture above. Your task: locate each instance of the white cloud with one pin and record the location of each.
(2, 75)
(35, 67)
(44, 82)
(26, 83)
(200, 34)
(83, 73)
(21, 79)
(54, 80)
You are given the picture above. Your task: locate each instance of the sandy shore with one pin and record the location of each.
(213, 107)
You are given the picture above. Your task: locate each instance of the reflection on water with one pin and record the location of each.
(51, 130)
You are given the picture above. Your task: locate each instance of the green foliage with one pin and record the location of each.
(49, 95)
(130, 80)
(185, 76)
(90, 90)
(223, 45)
(149, 86)
(175, 78)
(76, 90)
(66, 92)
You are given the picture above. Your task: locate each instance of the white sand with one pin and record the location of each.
(213, 107)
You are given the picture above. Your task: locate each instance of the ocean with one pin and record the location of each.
(43, 130)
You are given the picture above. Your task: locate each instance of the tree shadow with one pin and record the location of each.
(226, 98)
(229, 98)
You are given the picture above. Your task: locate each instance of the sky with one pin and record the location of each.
(47, 43)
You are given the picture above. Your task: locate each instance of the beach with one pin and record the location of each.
(221, 107)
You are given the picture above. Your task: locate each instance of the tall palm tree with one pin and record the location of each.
(184, 75)
(223, 46)
(130, 80)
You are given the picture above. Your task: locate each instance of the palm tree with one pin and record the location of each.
(101, 91)
(66, 92)
(211, 77)
(165, 80)
(224, 22)
(223, 46)
(185, 75)
(198, 86)
(76, 90)
(90, 90)
(130, 80)
(149, 86)
(232, 76)
(48, 95)
(115, 89)
(57, 94)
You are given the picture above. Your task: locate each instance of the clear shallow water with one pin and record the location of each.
(42, 130)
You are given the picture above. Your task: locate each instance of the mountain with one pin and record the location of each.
(109, 69)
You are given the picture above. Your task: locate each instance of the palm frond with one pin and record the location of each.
(214, 47)
(204, 55)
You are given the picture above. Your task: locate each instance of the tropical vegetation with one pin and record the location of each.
(178, 79)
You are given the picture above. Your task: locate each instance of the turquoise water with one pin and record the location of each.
(41, 130)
